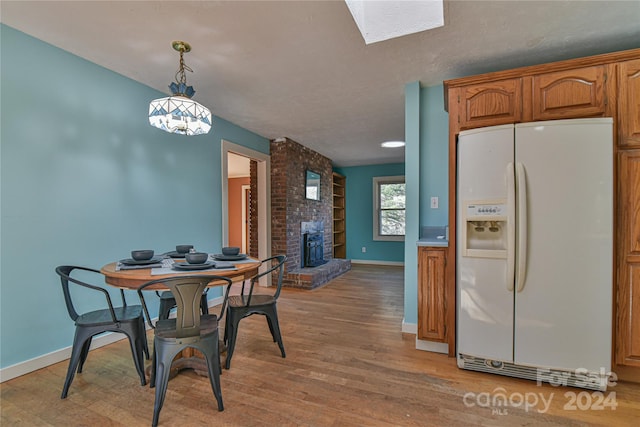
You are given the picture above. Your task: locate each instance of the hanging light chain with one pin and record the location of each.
(181, 76)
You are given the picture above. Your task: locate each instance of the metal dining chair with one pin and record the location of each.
(189, 328)
(241, 306)
(126, 319)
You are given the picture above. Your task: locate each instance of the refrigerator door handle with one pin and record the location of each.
(511, 225)
(521, 253)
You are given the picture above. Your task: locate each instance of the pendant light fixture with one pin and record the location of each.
(178, 113)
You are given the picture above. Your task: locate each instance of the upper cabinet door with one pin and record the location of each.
(629, 103)
(489, 104)
(569, 94)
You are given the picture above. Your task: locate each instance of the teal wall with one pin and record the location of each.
(412, 120)
(434, 156)
(426, 164)
(359, 213)
(85, 179)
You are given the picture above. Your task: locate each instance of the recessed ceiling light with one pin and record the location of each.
(392, 144)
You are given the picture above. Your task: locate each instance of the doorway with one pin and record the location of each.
(238, 207)
(235, 160)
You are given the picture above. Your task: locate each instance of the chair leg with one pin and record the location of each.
(231, 332)
(274, 326)
(81, 336)
(132, 331)
(211, 351)
(204, 304)
(84, 354)
(161, 389)
(270, 323)
(226, 323)
(163, 356)
(152, 374)
(143, 332)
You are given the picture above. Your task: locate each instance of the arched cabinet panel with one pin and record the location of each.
(629, 103)
(627, 324)
(569, 94)
(491, 104)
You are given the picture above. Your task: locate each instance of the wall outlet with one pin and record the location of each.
(364, 249)
(434, 203)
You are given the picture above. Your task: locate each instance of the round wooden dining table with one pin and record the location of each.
(132, 279)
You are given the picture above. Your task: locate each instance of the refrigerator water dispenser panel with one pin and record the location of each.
(485, 233)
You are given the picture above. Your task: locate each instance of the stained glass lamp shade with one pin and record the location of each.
(179, 113)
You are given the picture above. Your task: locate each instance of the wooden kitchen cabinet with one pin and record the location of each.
(569, 94)
(627, 290)
(629, 104)
(554, 95)
(490, 104)
(627, 329)
(431, 294)
(628, 293)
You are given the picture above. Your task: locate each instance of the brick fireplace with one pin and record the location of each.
(290, 209)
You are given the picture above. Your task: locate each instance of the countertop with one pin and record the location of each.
(434, 236)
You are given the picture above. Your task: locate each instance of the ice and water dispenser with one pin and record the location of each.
(485, 229)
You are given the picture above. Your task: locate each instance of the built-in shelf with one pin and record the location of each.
(339, 219)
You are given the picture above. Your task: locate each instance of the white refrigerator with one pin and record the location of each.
(535, 251)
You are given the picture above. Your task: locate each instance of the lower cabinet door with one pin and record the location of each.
(431, 294)
(627, 335)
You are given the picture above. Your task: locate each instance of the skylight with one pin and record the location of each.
(380, 20)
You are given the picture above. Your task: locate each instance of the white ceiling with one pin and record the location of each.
(301, 69)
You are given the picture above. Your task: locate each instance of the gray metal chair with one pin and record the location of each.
(241, 306)
(126, 319)
(189, 328)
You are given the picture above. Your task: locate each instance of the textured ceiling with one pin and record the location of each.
(301, 69)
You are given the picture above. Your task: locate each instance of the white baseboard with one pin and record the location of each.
(375, 262)
(409, 328)
(57, 356)
(435, 347)
(45, 360)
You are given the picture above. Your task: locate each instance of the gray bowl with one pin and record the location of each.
(142, 254)
(230, 251)
(183, 249)
(196, 257)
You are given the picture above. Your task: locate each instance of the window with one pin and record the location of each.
(388, 208)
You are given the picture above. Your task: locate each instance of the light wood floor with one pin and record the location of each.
(348, 364)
